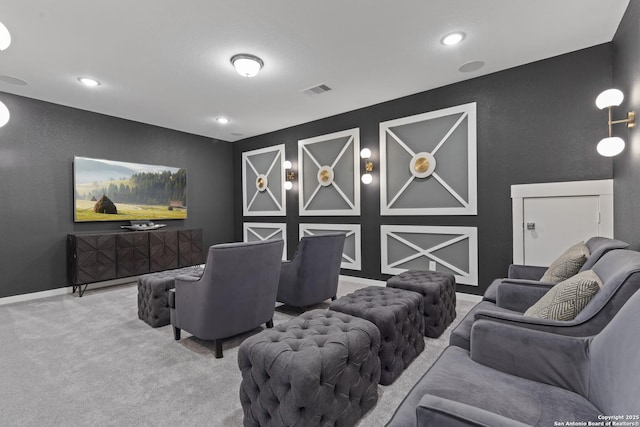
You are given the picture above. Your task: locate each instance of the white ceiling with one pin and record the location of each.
(166, 62)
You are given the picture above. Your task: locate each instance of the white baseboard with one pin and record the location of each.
(372, 282)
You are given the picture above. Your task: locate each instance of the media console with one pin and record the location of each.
(96, 257)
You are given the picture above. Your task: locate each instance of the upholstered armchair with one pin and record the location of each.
(522, 377)
(619, 273)
(236, 293)
(312, 275)
(529, 274)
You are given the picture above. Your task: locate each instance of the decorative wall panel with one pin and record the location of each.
(260, 231)
(351, 254)
(329, 180)
(451, 250)
(428, 163)
(263, 177)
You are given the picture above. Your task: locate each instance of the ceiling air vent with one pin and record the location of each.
(316, 90)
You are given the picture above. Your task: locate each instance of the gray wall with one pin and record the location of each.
(626, 77)
(536, 123)
(36, 153)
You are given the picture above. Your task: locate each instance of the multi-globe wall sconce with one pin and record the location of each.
(290, 175)
(365, 154)
(5, 41)
(613, 145)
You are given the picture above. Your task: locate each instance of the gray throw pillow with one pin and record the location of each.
(567, 264)
(566, 299)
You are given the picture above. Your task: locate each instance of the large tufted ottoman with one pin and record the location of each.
(320, 368)
(398, 316)
(439, 292)
(153, 303)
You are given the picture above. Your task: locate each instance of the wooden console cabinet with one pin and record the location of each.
(104, 256)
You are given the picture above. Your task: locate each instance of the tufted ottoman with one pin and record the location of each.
(320, 368)
(439, 292)
(153, 303)
(398, 316)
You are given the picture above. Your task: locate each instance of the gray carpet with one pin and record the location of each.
(69, 361)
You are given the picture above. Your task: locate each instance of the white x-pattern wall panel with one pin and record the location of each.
(352, 253)
(329, 180)
(428, 163)
(261, 231)
(451, 250)
(263, 177)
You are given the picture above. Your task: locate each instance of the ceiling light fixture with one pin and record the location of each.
(5, 37)
(4, 114)
(453, 38)
(88, 81)
(613, 145)
(247, 65)
(222, 120)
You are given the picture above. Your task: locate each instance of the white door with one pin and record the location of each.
(550, 217)
(552, 224)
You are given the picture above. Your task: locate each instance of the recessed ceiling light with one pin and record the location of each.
(222, 120)
(247, 65)
(5, 37)
(470, 67)
(87, 81)
(13, 80)
(453, 38)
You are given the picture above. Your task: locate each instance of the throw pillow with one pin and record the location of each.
(566, 299)
(567, 264)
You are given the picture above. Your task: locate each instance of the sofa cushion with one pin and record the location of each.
(566, 299)
(567, 264)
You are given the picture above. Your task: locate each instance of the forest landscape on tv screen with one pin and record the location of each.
(108, 190)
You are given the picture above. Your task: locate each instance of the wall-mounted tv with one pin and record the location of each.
(108, 190)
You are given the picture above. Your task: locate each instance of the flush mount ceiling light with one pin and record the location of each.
(453, 38)
(222, 120)
(4, 114)
(88, 81)
(5, 37)
(247, 65)
(613, 145)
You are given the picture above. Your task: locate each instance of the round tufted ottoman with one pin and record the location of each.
(398, 316)
(320, 368)
(153, 301)
(439, 293)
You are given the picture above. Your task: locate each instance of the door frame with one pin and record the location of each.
(601, 188)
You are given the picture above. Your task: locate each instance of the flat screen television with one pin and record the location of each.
(109, 190)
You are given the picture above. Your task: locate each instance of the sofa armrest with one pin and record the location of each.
(519, 294)
(529, 272)
(557, 360)
(188, 279)
(437, 411)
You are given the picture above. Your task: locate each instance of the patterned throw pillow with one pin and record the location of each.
(567, 264)
(566, 299)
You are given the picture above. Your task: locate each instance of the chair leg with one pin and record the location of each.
(176, 333)
(218, 344)
(270, 324)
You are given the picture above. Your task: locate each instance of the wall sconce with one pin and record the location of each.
(613, 145)
(367, 178)
(289, 175)
(4, 114)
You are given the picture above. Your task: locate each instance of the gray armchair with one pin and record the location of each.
(312, 275)
(521, 377)
(236, 293)
(619, 271)
(526, 274)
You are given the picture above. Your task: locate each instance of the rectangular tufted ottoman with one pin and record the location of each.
(398, 316)
(439, 293)
(153, 303)
(320, 368)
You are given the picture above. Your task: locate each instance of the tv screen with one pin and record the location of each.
(109, 190)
